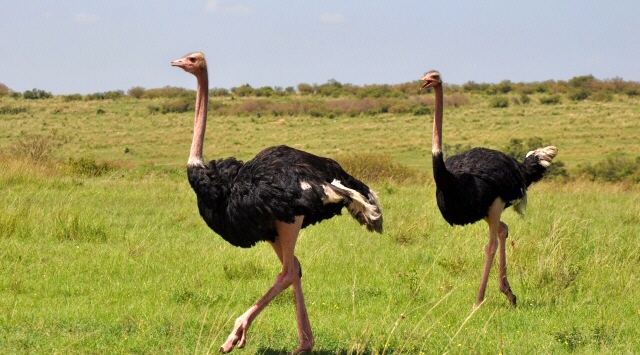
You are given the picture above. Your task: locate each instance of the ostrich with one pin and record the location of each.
(270, 198)
(480, 184)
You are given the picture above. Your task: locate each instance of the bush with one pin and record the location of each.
(613, 169)
(518, 149)
(107, 95)
(170, 92)
(219, 92)
(87, 166)
(177, 106)
(602, 96)
(499, 102)
(136, 91)
(35, 147)
(72, 97)
(4, 90)
(36, 94)
(244, 90)
(579, 94)
(632, 92)
(10, 110)
(305, 89)
(550, 99)
(421, 110)
(153, 109)
(400, 108)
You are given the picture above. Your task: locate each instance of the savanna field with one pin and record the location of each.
(102, 250)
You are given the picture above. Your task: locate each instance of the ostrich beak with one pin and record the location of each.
(177, 63)
(428, 83)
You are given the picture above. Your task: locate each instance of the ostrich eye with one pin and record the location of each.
(192, 59)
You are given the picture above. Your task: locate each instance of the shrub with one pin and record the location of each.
(87, 166)
(265, 91)
(10, 110)
(178, 106)
(579, 94)
(36, 94)
(4, 90)
(136, 91)
(525, 99)
(219, 92)
(499, 102)
(305, 89)
(421, 110)
(456, 100)
(35, 147)
(170, 92)
(72, 97)
(400, 108)
(550, 99)
(244, 90)
(153, 109)
(602, 96)
(557, 170)
(107, 95)
(584, 81)
(632, 92)
(518, 149)
(613, 169)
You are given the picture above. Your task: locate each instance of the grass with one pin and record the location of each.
(120, 262)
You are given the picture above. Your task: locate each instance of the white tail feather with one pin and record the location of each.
(359, 206)
(545, 155)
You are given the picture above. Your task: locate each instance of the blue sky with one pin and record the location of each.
(88, 46)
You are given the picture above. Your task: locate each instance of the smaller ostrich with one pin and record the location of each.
(270, 198)
(480, 184)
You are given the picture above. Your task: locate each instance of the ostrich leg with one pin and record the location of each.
(284, 247)
(493, 219)
(503, 233)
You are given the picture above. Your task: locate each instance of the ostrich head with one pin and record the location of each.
(193, 63)
(431, 79)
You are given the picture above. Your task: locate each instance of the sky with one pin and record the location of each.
(67, 47)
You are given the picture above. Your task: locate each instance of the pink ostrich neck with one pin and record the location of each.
(200, 122)
(436, 145)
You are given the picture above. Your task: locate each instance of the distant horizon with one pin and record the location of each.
(313, 84)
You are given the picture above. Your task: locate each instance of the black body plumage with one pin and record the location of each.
(241, 201)
(468, 184)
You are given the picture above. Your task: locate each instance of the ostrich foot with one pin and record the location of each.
(477, 304)
(510, 296)
(238, 336)
(303, 349)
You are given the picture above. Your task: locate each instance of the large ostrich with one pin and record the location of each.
(270, 198)
(480, 184)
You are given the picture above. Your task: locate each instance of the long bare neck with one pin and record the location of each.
(200, 122)
(436, 144)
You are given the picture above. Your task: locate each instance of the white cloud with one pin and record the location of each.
(85, 17)
(332, 18)
(228, 6)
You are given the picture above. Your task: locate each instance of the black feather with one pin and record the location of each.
(467, 184)
(241, 201)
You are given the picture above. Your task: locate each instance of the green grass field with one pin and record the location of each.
(122, 262)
